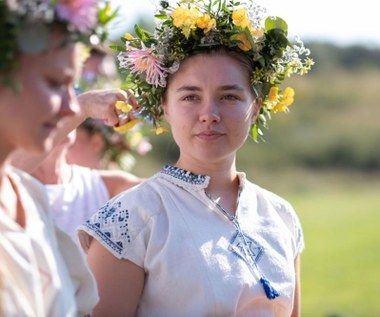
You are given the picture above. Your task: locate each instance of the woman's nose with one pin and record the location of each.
(209, 112)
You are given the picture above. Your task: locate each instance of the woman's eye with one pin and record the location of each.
(230, 97)
(190, 98)
(56, 85)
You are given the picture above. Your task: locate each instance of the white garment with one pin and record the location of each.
(42, 272)
(73, 203)
(190, 251)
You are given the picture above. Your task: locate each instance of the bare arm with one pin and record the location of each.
(117, 181)
(96, 104)
(120, 283)
(297, 292)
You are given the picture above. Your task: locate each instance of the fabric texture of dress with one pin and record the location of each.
(42, 271)
(195, 259)
(74, 202)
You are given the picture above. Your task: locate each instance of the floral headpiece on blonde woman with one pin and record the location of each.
(199, 25)
(25, 25)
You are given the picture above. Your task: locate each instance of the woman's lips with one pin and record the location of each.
(209, 135)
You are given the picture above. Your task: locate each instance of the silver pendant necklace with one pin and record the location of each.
(245, 247)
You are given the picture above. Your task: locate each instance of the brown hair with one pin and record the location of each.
(241, 58)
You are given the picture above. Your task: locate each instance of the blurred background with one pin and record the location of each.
(323, 156)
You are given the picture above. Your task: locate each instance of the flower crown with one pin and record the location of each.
(200, 25)
(25, 25)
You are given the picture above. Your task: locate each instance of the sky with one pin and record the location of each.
(339, 22)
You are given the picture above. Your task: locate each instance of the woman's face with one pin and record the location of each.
(210, 107)
(29, 118)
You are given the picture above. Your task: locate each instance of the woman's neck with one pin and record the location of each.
(224, 191)
(10, 203)
(223, 185)
(223, 176)
(54, 170)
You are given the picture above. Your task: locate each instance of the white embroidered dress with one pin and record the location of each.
(74, 202)
(42, 272)
(191, 252)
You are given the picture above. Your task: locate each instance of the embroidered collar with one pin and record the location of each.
(189, 180)
(185, 179)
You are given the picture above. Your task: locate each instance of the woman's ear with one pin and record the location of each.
(257, 103)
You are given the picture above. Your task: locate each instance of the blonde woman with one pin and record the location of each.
(42, 271)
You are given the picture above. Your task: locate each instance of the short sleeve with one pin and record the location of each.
(293, 223)
(118, 229)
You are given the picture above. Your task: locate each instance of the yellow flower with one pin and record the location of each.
(206, 23)
(185, 19)
(128, 36)
(160, 130)
(285, 101)
(256, 32)
(240, 18)
(289, 92)
(123, 106)
(127, 126)
(179, 16)
(245, 44)
(273, 95)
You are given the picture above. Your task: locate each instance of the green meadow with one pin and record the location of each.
(340, 263)
(324, 157)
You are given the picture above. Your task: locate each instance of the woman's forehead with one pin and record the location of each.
(221, 69)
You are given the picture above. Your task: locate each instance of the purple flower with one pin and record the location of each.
(82, 14)
(142, 61)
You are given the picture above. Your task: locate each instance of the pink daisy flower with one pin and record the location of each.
(141, 61)
(82, 14)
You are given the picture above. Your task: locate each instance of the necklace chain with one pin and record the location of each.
(271, 293)
(234, 220)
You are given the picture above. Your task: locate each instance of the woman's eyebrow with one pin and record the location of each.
(223, 87)
(188, 88)
(232, 87)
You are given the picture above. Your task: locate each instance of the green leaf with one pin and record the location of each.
(254, 132)
(276, 23)
(161, 16)
(116, 48)
(250, 38)
(104, 17)
(142, 34)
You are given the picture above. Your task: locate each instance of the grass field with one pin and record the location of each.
(341, 261)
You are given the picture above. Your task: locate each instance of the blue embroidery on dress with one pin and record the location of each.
(240, 244)
(111, 225)
(183, 175)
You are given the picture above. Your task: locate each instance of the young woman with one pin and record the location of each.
(198, 238)
(42, 272)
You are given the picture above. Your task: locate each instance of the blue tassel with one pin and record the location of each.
(269, 290)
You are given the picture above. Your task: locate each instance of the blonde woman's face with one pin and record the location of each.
(29, 119)
(210, 108)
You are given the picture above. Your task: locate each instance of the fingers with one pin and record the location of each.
(125, 111)
(113, 106)
(126, 115)
(132, 100)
